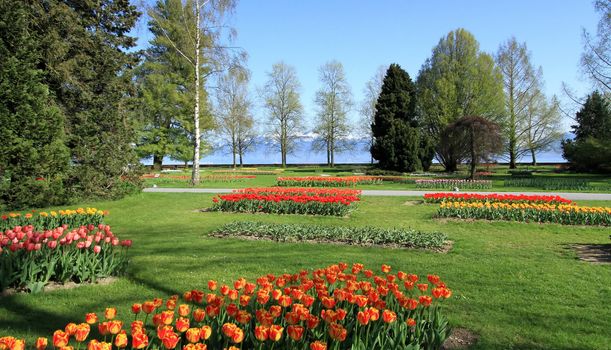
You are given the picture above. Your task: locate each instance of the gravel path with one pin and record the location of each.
(395, 193)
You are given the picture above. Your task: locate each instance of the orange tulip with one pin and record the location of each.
(167, 317)
(91, 318)
(212, 285)
(237, 336)
(182, 324)
(41, 343)
(136, 308)
(262, 333)
(410, 322)
(70, 328)
(275, 332)
(148, 307)
(318, 345)
(389, 316)
(121, 340)
(206, 332)
(170, 340)
(82, 332)
(110, 313)
(337, 331)
(114, 327)
(184, 310)
(363, 318)
(60, 339)
(295, 332)
(193, 335)
(425, 300)
(199, 315)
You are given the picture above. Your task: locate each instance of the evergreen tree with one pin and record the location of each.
(396, 136)
(84, 50)
(591, 148)
(33, 157)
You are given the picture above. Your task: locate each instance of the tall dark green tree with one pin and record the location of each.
(395, 130)
(33, 157)
(88, 69)
(591, 148)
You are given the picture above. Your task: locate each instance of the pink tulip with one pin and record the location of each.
(52, 244)
(97, 249)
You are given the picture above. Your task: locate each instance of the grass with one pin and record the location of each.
(599, 183)
(516, 285)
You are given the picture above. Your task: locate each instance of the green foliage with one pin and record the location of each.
(396, 143)
(33, 157)
(456, 81)
(550, 183)
(591, 148)
(366, 235)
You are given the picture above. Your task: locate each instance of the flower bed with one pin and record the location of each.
(248, 172)
(337, 307)
(349, 235)
(527, 212)
(547, 183)
(328, 181)
(48, 220)
(29, 259)
(208, 178)
(493, 198)
(278, 200)
(451, 183)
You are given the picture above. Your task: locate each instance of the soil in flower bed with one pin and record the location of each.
(460, 338)
(61, 286)
(594, 253)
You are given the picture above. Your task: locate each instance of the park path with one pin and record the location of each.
(395, 193)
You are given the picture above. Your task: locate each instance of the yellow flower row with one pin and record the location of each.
(65, 212)
(523, 206)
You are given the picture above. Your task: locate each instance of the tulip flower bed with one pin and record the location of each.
(30, 259)
(408, 238)
(493, 198)
(328, 181)
(332, 308)
(550, 183)
(451, 183)
(527, 212)
(209, 178)
(280, 200)
(48, 220)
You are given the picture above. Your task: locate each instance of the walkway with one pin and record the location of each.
(394, 193)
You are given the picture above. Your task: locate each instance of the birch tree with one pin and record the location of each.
(367, 109)
(234, 117)
(202, 25)
(543, 125)
(334, 100)
(280, 97)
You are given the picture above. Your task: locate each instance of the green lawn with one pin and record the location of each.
(516, 285)
(600, 183)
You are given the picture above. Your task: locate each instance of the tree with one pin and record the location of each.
(473, 138)
(334, 100)
(88, 69)
(234, 118)
(522, 85)
(458, 80)
(201, 27)
(591, 148)
(33, 157)
(280, 97)
(371, 92)
(542, 125)
(395, 127)
(596, 58)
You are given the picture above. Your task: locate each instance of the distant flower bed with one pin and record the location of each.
(209, 178)
(549, 183)
(45, 220)
(337, 307)
(527, 212)
(449, 184)
(408, 238)
(248, 172)
(328, 181)
(29, 259)
(493, 198)
(283, 200)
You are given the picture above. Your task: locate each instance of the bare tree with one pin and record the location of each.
(200, 48)
(542, 125)
(280, 97)
(522, 85)
(234, 119)
(596, 58)
(371, 92)
(334, 100)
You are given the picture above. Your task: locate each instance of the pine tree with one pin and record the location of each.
(395, 128)
(89, 70)
(33, 157)
(591, 148)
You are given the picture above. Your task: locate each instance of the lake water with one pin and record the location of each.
(263, 154)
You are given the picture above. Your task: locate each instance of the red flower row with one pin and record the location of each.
(300, 191)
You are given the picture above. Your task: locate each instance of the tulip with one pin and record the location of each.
(262, 333)
(275, 332)
(41, 343)
(82, 332)
(193, 335)
(318, 345)
(205, 333)
(295, 332)
(60, 339)
(182, 324)
(110, 313)
(140, 340)
(121, 340)
(170, 340)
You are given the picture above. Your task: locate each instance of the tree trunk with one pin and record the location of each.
(473, 156)
(534, 157)
(157, 162)
(241, 162)
(196, 132)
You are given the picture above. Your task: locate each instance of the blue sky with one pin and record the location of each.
(366, 34)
